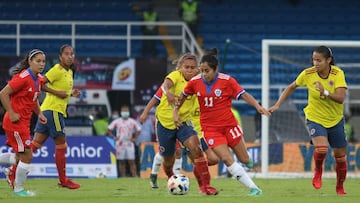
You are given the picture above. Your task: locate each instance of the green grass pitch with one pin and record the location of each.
(137, 190)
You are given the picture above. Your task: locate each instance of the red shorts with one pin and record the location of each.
(18, 140)
(216, 136)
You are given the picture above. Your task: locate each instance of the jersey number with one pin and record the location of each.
(209, 101)
(236, 132)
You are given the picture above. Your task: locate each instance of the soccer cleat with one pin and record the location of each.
(316, 181)
(255, 192)
(69, 184)
(10, 176)
(153, 181)
(24, 193)
(208, 190)
(340, 191)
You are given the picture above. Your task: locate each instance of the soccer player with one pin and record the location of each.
(59, 88)
(158, 159)
(212, 158)
(324, 113)
(125, 147)
(20, 98)
(221, 130)
(168, 132)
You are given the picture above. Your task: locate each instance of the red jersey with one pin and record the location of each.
(215, 99)
(23, 100)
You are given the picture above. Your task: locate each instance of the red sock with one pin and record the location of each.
(201, 170)
(319, 157)
(60, 161)
(341, 170)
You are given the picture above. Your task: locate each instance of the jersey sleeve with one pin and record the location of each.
(238, 90)
(341, 82)
(158, 94)
(17, 83)
(300, 80)
(189, 88)
(52, 74)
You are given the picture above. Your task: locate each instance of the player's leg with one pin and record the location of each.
(337, 141)
(22, 171)
(320, 140)
(341, 169)
(9, 159)
(236, 169)
(155, 170)
(201, 170)
(178, 159)
(167, 141)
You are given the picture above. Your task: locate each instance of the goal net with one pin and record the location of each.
(285, 147)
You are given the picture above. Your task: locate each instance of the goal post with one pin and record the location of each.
(282, 61)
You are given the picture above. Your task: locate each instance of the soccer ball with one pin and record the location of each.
(178, 184)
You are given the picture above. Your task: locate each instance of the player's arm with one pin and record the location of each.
(153, 101)
(5, 100)
(338, 96)
(38, 112)
(45, 88)
(252, 101)
(167, 84)
(284, 95)
(181, 99)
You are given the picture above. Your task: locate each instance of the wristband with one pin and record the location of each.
(326, 93)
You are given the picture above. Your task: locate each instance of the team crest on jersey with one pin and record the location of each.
(218, 92)
(30, 89)
(331, 83)
(312, 131)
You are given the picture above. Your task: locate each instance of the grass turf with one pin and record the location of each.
(137, 190)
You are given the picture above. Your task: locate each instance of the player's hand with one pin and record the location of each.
(176, 118)
(42, 119)
(76, 93)
(263, 111)
(143, 118)
(273, 108)
(318, 86)
(171, 98)
(14, 117)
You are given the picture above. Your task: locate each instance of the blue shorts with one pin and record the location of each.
(336, 134)
(167, 138)
(54, 126)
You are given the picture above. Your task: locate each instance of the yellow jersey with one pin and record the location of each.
(321, 109)
(60, 79)
(164, 112)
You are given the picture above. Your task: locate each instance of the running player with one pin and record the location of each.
(324, 114)
(20, 98)
(215, 92)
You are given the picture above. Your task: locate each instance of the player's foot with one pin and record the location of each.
(255, 192)
(250, 164)
(316, 181)
(153, 181)
(10, 176)
(24, 193)
(340, 191)
(208, 190)
(69, 184)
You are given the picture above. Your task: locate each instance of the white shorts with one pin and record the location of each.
(125, 151)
